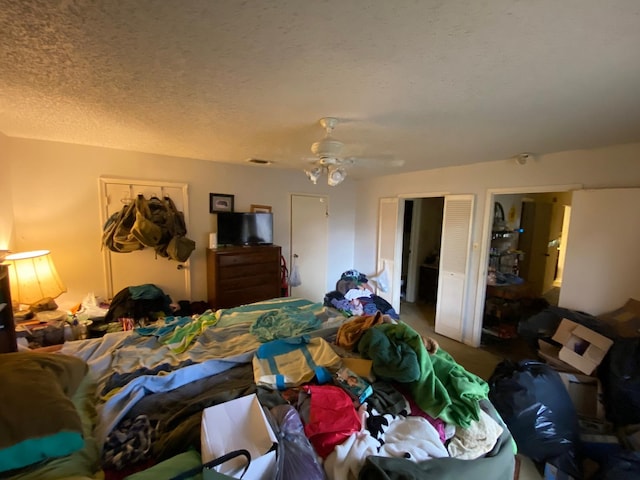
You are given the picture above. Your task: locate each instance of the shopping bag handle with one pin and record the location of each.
(215, 462)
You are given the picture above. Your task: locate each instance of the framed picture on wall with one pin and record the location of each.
(220, 202)
(260, 209)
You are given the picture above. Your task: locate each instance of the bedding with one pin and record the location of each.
(38, 419)
(141, 402)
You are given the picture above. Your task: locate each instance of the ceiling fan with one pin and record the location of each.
(329, 159)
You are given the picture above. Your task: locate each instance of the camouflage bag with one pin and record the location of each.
(117, 229)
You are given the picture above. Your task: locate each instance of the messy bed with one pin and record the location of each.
(343, 395)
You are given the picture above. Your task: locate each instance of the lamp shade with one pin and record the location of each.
(33, 276)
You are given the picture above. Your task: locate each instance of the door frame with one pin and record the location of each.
(104, 202)
(411, 292)
(413, 266)
(481, 283)
(289, 255)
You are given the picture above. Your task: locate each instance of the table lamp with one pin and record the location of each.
(34, 280)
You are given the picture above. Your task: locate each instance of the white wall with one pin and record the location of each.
(6, 201)
(53, 188)
(604, 221)
(56, 205)
(616, 166)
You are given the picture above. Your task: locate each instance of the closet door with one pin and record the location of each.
(454, 265)
(142, 266)
(390, 217)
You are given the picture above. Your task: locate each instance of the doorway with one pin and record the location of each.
(421, 242)
(525, 260)
(454, 260)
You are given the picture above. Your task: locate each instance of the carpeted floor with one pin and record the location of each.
(481, 361)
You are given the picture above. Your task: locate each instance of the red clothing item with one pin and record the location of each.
(332, 418)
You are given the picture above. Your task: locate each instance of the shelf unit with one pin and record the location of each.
(503, 257)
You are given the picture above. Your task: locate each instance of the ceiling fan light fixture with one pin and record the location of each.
(336, 176)
(314, 174)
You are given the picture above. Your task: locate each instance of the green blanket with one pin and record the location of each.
(439, 385)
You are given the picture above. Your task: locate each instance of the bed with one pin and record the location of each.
(138, 398)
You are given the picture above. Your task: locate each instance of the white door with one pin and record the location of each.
(123, 270)
(454, 265)
(602, 264)
(390, 216)
(310, 245)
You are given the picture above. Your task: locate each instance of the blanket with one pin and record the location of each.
(439, 385)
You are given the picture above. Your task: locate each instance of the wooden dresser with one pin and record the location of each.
(7, 326)
(240, 275)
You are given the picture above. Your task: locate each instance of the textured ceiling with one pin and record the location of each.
(433, 82)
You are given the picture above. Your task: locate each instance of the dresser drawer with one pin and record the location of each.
(237, 283)
(248, 271)
(234, 298)
(241, 275)
(248, 259)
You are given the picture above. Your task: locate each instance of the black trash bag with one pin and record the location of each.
(535, 405)
(545, 323)
(619, 373)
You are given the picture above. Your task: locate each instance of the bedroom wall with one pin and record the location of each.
(56, 205)
(6, 201)
(615, 166)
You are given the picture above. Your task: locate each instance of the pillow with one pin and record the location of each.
(38, 418)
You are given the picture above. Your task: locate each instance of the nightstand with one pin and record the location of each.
(7, 326)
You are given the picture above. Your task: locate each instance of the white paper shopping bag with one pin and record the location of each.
(236, 425)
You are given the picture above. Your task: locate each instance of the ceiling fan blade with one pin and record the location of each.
(373, 161)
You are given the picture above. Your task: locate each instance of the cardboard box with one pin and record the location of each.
(236, 425)
(361, 366)
(582, 348)
(549, 353)
(585, 392)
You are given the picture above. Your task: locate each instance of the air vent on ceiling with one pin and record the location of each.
(259, 161)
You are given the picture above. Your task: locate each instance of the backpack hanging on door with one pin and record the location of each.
(116, 231)
(144, 229)
(179, 247)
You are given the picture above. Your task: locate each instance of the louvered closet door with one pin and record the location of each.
(454, 265)
(140, 267)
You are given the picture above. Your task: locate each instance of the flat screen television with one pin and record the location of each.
(240, 228)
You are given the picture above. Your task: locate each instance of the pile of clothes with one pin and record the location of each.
(354, 296)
